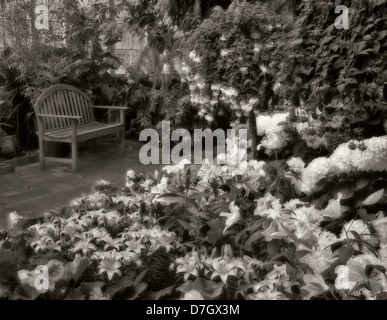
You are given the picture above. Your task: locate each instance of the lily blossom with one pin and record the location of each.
(110, 267)
(232, 217)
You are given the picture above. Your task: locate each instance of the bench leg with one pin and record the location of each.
(122, 147)
(41, 153)
(74, 153)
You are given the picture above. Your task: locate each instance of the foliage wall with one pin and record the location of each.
(336, 75)
(69, 52)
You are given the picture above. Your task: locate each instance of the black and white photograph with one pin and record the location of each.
(214, 151)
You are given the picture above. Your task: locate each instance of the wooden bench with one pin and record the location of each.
(65, 114)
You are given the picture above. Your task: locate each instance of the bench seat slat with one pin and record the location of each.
(82, 130)
(85, 126)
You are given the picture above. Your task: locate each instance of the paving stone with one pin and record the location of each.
(13, 193)
(29, 175)
(38, 192)
(31, 165)
(37, 180)
(6, 168)
(59, 169)
(60, 174)
(29, 190)
(73, 180)
(64, 186)
(5, 202)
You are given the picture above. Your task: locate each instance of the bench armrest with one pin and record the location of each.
(60, 117)
(111, 107)
(122, 111)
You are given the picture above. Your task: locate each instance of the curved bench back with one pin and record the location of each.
(63, 100)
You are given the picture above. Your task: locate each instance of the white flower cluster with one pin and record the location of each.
(257, 48)
(194, 57)
(185, 69)
(277, 87)
(225, 52)
(274, 136)
(207, 97)
(343, 161)
(308, 129)
(313, 141)
(248, 106)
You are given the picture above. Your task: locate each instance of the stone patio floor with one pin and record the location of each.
(31, 191)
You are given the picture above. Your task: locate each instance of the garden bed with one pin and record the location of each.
(199, 232)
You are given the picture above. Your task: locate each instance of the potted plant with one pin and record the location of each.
(9, 143)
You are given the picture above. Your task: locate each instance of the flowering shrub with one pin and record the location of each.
(349, 158)
(200, 232)
(226, 65)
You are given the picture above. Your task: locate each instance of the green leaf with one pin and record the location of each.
(336, 245)
(194, 211)
(210, 290)
(185, 224)
(370, 267)
(351, 81)
(365, 216)
(120, 286)
(326, 40)
(362, 183)
(8, 266)
(322, 184)
(159, 295)
(307, 72)
(345, 188)
(341, 88)
(26, 292)
(199, 195)
(188, 179)
(88, 287)
(83, 265)
(339, 64)
(171, 198)
(302, 253)
(273, 247)
(382, 296)
(368, 245)
(254, 237)
(334, 48)
(76, 295)
(137, 290)
(382, 35)
(345, 253)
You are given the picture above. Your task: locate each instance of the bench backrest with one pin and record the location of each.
(63, 100)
